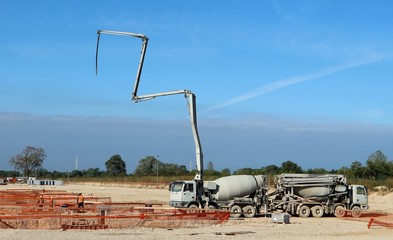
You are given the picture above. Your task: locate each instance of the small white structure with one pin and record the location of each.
(281, 218)
(45, 182)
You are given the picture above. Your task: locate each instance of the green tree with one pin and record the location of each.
(4, 173)
(270, 170)
(42, 173)
(170, 169)
(225, 172)
(290, 167)
(147, 166)
(316, 171)
(182, 170)
(212, 173)
(244, 171)
(344, 171)
(210, 166)
(56, 174)
(378, 166)
(76, 173)
(210, 170)
(115, 166)
(357, 169)
(30, 159)
(93, 172)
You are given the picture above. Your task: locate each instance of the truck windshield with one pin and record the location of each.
(176, 187)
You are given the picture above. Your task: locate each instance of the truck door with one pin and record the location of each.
(360, 195)
(189, 192)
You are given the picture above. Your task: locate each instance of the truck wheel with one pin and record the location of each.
(249, 211)
(236, 211)
(193, 208)
(304, 211)
(317, 211)
(356, 212)
(340, 211)
(212, 206)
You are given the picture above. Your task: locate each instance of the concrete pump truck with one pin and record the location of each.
(236, 193)
(190, 97)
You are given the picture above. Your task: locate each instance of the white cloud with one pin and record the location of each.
(298, 79)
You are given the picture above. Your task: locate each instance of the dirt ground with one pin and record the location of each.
(255, 228)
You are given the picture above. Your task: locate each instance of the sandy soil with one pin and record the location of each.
(255, 228)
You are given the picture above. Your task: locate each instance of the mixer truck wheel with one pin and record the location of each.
(339, 211)
(212, 206)
(236, 211)
(193, 208)
(317, 211)
(249, 211)
(304, 211)
(356, 212)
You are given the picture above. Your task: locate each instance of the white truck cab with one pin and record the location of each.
(183, 194)
(359, 196)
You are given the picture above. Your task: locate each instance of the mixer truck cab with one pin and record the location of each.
(357, 201)
(183, 194)
(359, 196)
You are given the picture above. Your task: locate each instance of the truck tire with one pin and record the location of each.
(356, 212)
(212, 206)
(339, 211)
(317, 211)
(192, 208)
(236, 211)
(249, 211)
(304, 211)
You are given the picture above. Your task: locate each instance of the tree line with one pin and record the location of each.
(30, 162)
(376, 167)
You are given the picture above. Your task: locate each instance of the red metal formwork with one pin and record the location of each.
(374, 218)
(23, 211)
(374, 221)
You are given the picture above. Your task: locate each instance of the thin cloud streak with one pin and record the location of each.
(294, 80)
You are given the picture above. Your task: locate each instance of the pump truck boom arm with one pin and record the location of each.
(191, 98)
(145, 40)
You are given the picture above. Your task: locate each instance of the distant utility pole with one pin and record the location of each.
(76, 163)
(157, 168)
(68, 171)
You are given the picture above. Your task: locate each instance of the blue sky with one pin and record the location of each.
(306, 81)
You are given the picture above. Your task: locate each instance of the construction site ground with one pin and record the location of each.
(244, 228)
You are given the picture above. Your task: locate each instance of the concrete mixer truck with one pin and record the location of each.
(308, 194)
(240, 194)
